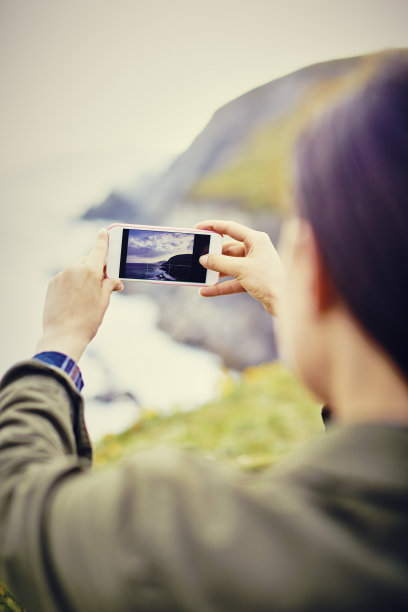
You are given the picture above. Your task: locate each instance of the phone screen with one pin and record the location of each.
(163, 256)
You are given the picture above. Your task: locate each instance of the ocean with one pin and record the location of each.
(148, 271)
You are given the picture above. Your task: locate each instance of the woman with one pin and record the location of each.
(167, 531)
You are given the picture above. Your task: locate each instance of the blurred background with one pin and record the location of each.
(164, 112)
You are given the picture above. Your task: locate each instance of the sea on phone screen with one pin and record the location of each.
(162, 256)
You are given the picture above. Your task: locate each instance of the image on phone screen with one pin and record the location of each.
(163, 256)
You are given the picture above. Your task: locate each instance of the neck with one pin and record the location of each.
(365, 385)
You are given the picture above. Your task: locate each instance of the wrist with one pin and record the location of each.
(271, 301)
(62, 343)
(271, 305)
(274, 299)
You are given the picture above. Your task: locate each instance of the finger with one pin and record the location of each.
(234, 249)
(227, 288)
(119, 286)
(112, 284)
(229, 228)
(224, 264)
(97, 256)
(224, 275)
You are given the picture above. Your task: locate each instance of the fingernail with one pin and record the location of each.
(120, 286)
(203, 260)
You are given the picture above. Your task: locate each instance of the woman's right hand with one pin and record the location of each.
(76, 301)
(250, 259)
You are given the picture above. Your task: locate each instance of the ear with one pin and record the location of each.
(323, 294)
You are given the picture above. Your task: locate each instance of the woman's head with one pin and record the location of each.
(352, 192)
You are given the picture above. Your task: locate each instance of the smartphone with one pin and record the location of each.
(161, 254)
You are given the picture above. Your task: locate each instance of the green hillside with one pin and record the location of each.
(254, 422)
(258, 176)
(7, 601)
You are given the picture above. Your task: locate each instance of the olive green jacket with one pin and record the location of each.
(170, 531)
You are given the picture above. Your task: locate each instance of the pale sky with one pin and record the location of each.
(99, 75)
(144, 246)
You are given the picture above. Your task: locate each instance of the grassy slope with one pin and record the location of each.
(253, 423)
(259, 176)
(7, 601)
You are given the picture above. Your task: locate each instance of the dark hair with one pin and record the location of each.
(352, 186)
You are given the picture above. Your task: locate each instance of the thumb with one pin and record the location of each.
(112, 284)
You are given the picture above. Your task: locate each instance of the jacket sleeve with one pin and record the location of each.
(43, 441)
(163, 531)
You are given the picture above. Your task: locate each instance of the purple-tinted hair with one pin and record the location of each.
(352, 186)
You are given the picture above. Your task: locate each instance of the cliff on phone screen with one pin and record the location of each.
(165, 256)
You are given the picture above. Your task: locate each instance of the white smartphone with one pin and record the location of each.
(161, 254)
